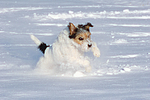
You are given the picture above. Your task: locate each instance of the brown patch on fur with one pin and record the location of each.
(82, 37)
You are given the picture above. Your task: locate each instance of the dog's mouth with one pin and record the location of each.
(85, 47)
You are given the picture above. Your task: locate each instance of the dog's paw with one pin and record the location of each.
(86, 63)
(96, 52)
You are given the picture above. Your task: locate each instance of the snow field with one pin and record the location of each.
(121, 31)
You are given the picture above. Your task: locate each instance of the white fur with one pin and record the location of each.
(37, 41)
(66, 54)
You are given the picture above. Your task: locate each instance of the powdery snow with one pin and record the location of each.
(121, 31)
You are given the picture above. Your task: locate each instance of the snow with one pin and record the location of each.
(121, 31)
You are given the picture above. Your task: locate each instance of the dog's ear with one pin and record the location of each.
(72, 30)
(87, 26)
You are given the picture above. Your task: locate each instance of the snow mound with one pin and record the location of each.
(120, 41)
(79, 74)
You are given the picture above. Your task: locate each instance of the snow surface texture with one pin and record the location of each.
(121, 31)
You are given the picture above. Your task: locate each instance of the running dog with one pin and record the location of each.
(68, 49)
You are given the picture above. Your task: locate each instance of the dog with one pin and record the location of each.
(68, 49)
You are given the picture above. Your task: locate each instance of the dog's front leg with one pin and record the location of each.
(95, 50)
(88, 69)
(87, 65)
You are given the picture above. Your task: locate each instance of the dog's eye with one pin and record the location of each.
(81, 38)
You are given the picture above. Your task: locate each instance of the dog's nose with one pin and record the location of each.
(89, 45)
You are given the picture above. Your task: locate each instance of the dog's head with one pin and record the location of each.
(81, 35)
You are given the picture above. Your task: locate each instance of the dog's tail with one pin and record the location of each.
(41, 45)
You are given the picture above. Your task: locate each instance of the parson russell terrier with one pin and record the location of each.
(68, 49)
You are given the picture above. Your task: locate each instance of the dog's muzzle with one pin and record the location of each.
(89, 43)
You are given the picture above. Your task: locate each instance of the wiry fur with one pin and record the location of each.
(66, 51)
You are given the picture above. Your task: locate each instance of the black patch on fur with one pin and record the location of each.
(43, 47)
(85, 27)
(72, 36)
(80, 26)
(89, 24)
